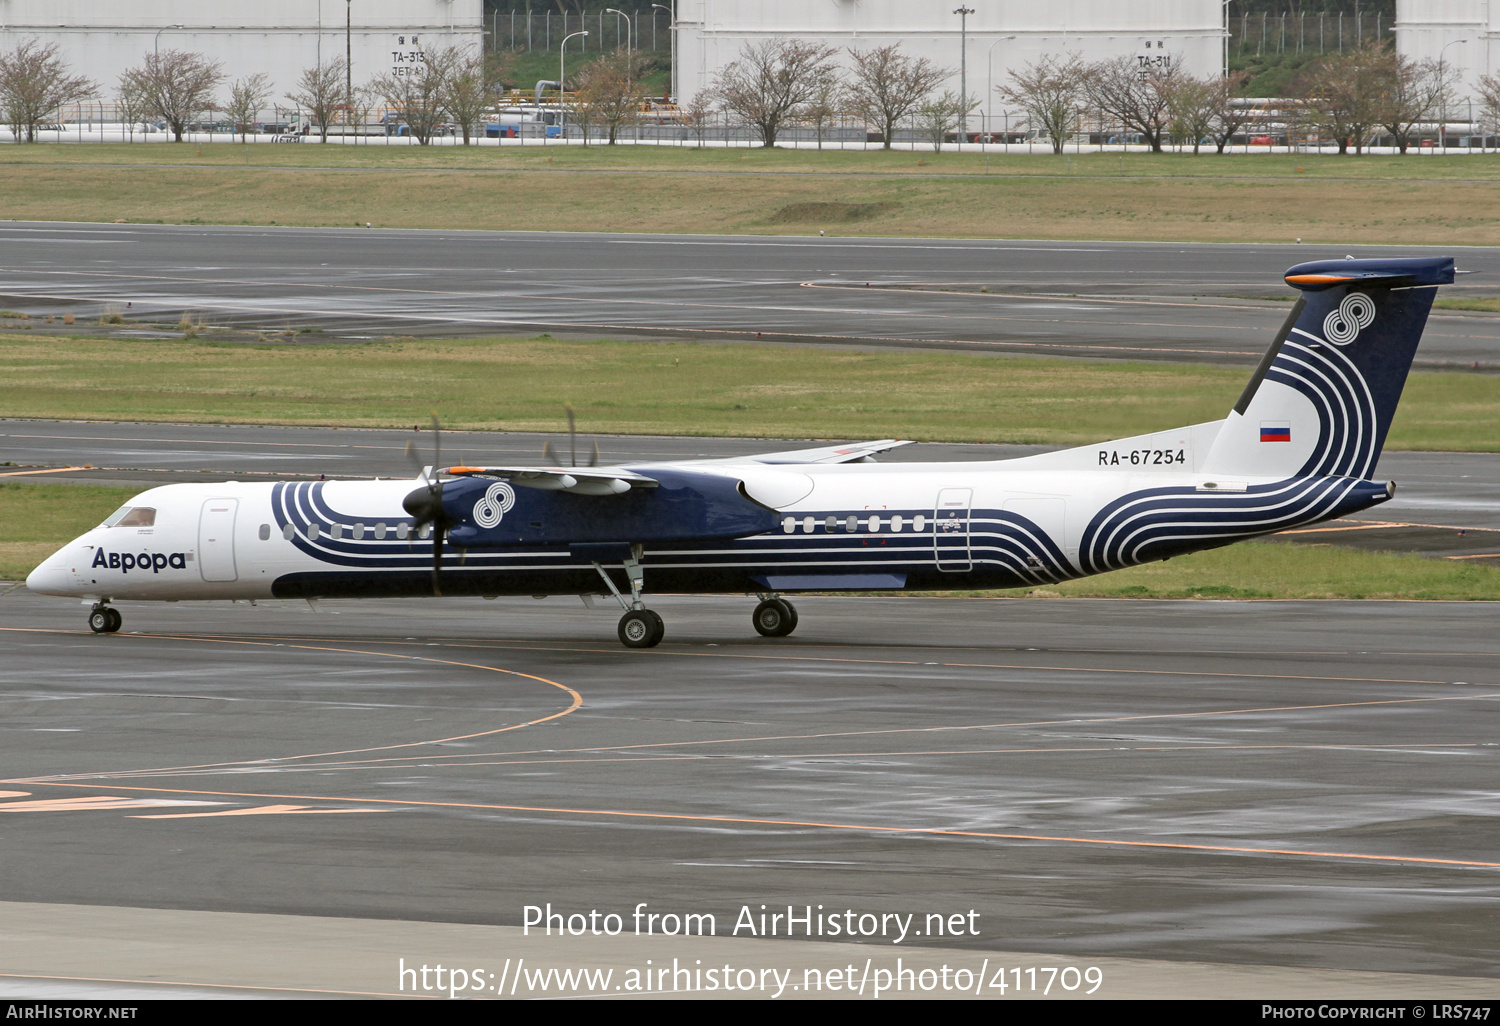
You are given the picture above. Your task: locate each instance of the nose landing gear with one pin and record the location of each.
(639, 627)
(104, 619)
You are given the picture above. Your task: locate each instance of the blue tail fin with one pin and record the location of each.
(1321, 402)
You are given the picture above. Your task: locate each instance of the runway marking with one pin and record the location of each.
(14, 794)
(486, 759)
(259, 810)
(93, 803)
(820, 825)
(50, 470)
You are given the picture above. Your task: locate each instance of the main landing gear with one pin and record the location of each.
(775, 617)
(104, 620)
(639, 627)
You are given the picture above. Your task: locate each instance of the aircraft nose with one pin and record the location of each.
(51, 577)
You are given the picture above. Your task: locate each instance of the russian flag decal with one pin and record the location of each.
(1275, 431)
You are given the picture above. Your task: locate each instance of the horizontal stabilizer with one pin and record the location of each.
(578, 480)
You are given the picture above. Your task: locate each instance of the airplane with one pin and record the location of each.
(1299, 446)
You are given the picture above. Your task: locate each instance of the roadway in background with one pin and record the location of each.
(1123, 300)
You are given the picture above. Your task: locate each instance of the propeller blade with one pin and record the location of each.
(437, 441)
(437, 558)
(594, 459)
(572, 435)
(416, 461)
(548, 456)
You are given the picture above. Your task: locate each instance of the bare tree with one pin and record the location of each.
(1412, 92)
(699, 111)
(178, 86)
(417, 92)
(770, 80)
(132, 104)
(468, 86)
(825, 105)
(886, 85)
(1344, 95)
(246, 97)
(1193, 106)
(1487, 92)
(942, 114)
(320, 92)
(1229, 115)
(1135, 93)
(34, 82)
(1052, 91)
(606, 92)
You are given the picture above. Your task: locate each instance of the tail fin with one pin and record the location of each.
(1322, 400)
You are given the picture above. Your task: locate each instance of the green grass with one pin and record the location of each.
(1415, 200)
(1489, 304)
(35, 519)
(669, 388)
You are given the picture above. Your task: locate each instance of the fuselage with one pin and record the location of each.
(929, 526)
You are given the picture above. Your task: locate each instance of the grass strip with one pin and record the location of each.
(671, 388)
(797, 192)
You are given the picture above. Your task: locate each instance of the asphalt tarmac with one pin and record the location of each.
(1187, 795)
(1118, 300)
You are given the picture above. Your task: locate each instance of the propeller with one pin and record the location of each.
(549, 456)
(425, 504)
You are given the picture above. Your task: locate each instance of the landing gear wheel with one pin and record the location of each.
(775, 618)
(104, 620)
(641, 628)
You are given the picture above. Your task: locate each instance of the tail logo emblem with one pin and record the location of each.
(1355, 313)
(497, 501)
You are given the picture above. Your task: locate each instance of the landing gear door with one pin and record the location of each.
(950, 530)
(216, 539)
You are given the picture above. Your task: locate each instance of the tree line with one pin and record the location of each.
(177, 88)
(1351, 98)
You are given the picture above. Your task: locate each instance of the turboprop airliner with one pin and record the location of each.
(1300, 446)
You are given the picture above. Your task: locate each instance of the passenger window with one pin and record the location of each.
(288, 531)
(265, 532)
(380, 531)
(402, 530)
(140, 516)
(312, 532)
(336, 531)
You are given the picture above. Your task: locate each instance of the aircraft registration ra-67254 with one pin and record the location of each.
(1300, 446)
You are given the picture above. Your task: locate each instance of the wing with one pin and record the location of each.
(854, 452)
(579, 480)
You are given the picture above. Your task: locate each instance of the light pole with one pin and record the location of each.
(156, 44)
(1225, 5)
(989, 68)
(562, 79)
(618, 15)
(963, 64)
(629, 36)
(671, 28)
(348, 53)
(1442, 81)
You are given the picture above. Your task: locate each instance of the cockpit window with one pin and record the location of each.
(115, 517)
(139, 516)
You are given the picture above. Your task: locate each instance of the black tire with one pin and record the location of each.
(100, 621)
(791, 612)
(661, 627)
(115, 621)
(774, 618)
(641, 628)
